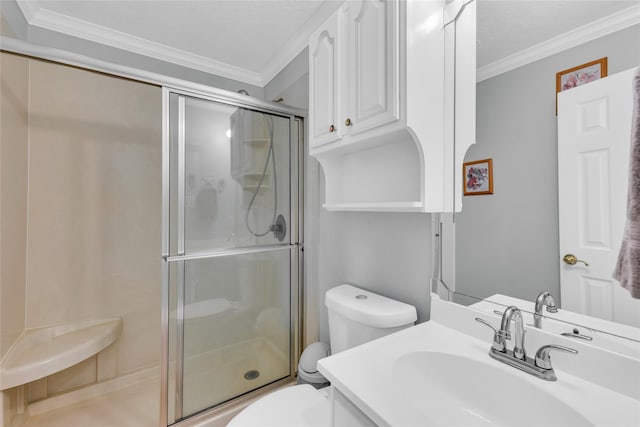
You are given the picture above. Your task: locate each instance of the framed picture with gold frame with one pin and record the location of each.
(478, 177)
(580, 75)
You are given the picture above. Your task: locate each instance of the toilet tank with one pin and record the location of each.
(357, 316)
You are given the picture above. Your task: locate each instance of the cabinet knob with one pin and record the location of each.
(347, 122)
(332, 128)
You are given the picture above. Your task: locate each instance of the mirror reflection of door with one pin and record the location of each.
(594, 124)
(507, 243)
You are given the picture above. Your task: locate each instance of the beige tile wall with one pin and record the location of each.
(13, 195)
(93, 247)
(84, 373)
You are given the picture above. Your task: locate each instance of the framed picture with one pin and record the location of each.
(582, 74)
(478, 177)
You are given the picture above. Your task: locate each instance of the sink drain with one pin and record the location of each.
(251, 375)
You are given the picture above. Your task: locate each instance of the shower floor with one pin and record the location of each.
(210, 378)
(216, 376)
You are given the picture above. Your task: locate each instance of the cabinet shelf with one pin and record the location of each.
(376, 207)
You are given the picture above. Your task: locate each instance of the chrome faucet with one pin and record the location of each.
(540, 366)
(513, 313)
(544, 299)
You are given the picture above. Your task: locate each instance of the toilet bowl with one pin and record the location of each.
(295, 406)
(356, 316)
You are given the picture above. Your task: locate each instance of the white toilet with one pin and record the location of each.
(356, 316)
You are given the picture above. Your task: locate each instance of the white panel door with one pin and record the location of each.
(323, 83)
(372, 65)
(594, 133)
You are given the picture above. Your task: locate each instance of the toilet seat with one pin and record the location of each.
(295, 406)
(356, 316)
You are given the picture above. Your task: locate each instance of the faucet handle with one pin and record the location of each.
(498, 342)
(542, 355)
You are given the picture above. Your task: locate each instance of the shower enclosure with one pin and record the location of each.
(232, 250)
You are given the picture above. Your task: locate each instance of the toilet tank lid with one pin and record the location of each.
(368, 308)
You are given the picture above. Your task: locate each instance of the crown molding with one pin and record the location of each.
(173, 84)
(296, 44)
(43, 18)
(602, 27)
(49, 20)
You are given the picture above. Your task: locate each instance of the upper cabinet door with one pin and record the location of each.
(371, 56)
(323, 83)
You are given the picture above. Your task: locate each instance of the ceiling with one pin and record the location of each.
(507, 27)
(244, 33)
(252, 40)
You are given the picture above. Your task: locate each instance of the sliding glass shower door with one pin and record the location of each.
(233, 254)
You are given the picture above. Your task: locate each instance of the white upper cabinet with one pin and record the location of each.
(371, 93)
(323, 74)
(378, 106)
(353, 72)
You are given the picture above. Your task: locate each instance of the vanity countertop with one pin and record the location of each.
(371, 377)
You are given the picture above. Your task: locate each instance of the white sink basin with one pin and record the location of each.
(433, 375)
(468, 392)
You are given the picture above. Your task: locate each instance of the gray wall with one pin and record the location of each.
(38, 36)
(291, 83)
(386, 253)
(508, 242)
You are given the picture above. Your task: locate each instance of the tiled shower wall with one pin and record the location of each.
(13, 208)
(92, 212)
(13, 202)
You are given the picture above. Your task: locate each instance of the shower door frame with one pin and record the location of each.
(295, 248)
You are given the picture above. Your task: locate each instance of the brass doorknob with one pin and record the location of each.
(571, 259)
(347, 122)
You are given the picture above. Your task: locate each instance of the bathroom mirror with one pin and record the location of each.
(507, 243)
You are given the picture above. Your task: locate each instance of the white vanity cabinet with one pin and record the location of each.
(346, 413)
(377, 107)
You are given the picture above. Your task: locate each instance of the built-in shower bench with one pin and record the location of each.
(40, 352)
